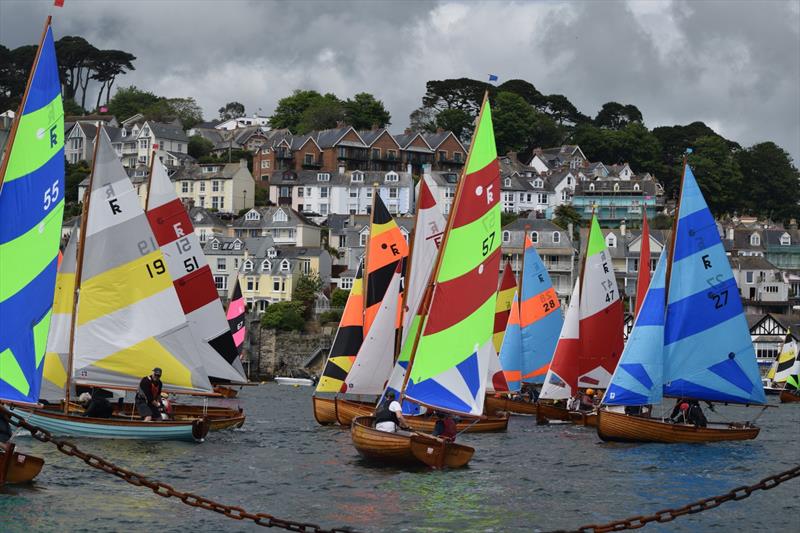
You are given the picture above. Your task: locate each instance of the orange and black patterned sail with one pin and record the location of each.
(386, 248)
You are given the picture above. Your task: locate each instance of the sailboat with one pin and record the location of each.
(127, 318)
(31, 211)
(781, 368)
(590, 343)
(690, 340)
(448, 366)
(791, 388)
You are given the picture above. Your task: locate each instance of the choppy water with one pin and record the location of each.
(530, 478)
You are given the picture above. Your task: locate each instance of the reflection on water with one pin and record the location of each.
(532, 477)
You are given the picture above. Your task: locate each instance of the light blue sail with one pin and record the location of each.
(31, 212)
(708, 352)
(638, 377)
(511, 349)
(540, 318)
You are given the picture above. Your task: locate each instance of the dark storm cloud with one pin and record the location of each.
(734, 65)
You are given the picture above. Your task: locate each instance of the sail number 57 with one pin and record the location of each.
(487, 244)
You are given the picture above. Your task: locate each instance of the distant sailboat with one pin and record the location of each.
(31, 212)
(791, 387)
(781, 368)
(690, 340)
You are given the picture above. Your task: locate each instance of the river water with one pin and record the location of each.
(529, 478)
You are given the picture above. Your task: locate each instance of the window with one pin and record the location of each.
(266, 265)
(215, 186)
(215, 245)
(591, 186)
(442, 155)
(529, 197)
(143, 144)
(221, 283)
(222, 264)
(323, 209)
(323, 192)
(749, 277)
(184, 186)
(305, 267)
(569, 180)
(357, 177)
(616, 187)
(392, 192)
(542, 198)
(279, 284)
(611, 240)
(506, 237)
(280, 216)
(556, 237)
(362, 239)
(534, 237)
(369, 192)
(564, 195)
(252, 283)
(215, 202)
(450, 192)
(180, 147)
(285, 265)
(633, 265)
(507, 182)
(457, 156)
(323, 176)
(202, 186)
(636, 187)
(755, 239)
(376, 153)
(538, 184)
(272, 253)
(392, 176)
(286, 192)
(247, 266)
(391, 154)
(346, 283)
(353, 192)
(308, 191)
(264, 163)
(786, 239)
(252, 215)
(308, 159)
(201, 201)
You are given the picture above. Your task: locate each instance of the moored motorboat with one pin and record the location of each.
(287, 380)
(17, 467)
(619, 427)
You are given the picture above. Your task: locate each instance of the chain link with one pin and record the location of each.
(668, 515)
(161, 488)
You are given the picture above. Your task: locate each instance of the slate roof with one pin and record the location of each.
(293, 218)
(195, 172)
(168, 131)
(309, 177)
(201, 216)
(751, 262)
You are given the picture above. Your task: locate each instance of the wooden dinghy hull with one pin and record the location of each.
(425, 424)
(788, 397)
(618, 427)
(225, 391)
(72, 425)
(348, 410)
(582, 418)
(493, 405)
(219, 418)
(16, 467)
(406, 448)
(547, 412)
(324, 410)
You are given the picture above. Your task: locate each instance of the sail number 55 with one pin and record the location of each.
(156, 269)
(51, 195)
(487, 244)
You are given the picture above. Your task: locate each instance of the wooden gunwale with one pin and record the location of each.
(492, 405)
(489, 424)
(381, 445)
(347, 410)
(438, 453)
(620, 427)
(788, 397)
(324, 410)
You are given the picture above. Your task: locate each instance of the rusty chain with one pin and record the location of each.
(668, 515)
(161, 488)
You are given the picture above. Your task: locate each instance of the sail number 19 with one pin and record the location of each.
(156, 269)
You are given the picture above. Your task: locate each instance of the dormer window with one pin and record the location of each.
(636, 187)
(215, 245)
(591, 186)
(616, 187)
(392, 176)
(357, 177)
(556, 237)
(786, 240)
(285, 265)
(252, 215)
(247, 266)
(272, 253)
(755, 239)
(534, 237)
(506, 237)
(279, 216)
(323, 176)
(237, 244)
(538, 184)
(507, 182)
(266, 265)
(611, 240)
(450, 177)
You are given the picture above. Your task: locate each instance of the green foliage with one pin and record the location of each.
(290, 109)
(456, 120)
(462, 93)
(284, 316)
(513, 119)
(423, 120)
(614, 115)
(14, 67)
(107, 65)
(524, 89)
(507, 218)
(231, 110)
(305, 293)
(323, 113)
(718, 174)
(566, 215)
(364, 111)
(661, 221)
(199, 146)
(128, 101)
(771, 182)
(262, 196)
(71, 108)
(230, 156)
(330, 316)
(74, 174)
(632, 144)
(186, 111)
(339, 298)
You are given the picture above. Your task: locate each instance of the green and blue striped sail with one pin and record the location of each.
(708, 352)
(31, 211)
(638, 377)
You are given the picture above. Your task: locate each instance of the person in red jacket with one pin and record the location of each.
(148, 397)
(445, 427)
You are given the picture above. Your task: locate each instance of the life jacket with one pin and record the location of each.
(450, 429)
(383, 414)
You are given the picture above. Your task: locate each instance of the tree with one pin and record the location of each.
(290, 109)
(128, 101)
(566, 215)
(456, 120)
(771, 182)
(524, 89)
(285, 316)
(199, 146)
(562, 110)
(108, 64)
(717, 173)
(513, 120)
(339, 298)
(231, 110)
(364, 111)
(423, 119)
(614, 115)
(15, 65)
(324, 113)
(262, 196)
(507, 218)
(71, 108)
(75, 63)
(462, 93)
(186, 110)
(74, 174)
(305, 292)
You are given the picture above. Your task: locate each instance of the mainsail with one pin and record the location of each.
(347, 341)
(505, 295)
(235, 316)
(784, 363)
(129, 318)
(638, 377)
(450, 363)
(511, 349)
(191, 277)
(31, 211)
(709, 353)
(643, 278)
(561, 381)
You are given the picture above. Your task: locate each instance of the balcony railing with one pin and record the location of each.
(284, 154)
(312, 165)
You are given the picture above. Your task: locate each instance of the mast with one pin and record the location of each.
(671, 251)
(79, 271)
(426, 300)
(15, 124)
(407, 276)
(366, 248)
(149, 179)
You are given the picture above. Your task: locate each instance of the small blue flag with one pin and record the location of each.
(492, 77)
(689, 151)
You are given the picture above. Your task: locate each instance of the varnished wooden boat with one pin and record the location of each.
(324, 410)
(547, 411)
(16, 467)
(347, 410)
(620, 427)
(584, 418)
(219, 418)
(493, 405)
(789, 397)
(405, 447)
(425, 424)
(226, 391)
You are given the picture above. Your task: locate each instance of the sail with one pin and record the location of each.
(374, 361)
(57, 354)
(540, 317)
(505, 295)
(385, 249)
(235, 316)
(31, 211)
(786, 359)
(643, 278)
(192, 279)
(511, 349)
(709, 353)
(638, 377)
(129, 317)
(561, 380)
(793, 381)
(347, 342)
(496, 379)
(601, 313)
(450, 365)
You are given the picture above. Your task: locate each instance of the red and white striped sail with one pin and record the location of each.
(192, 278)
(561, 381)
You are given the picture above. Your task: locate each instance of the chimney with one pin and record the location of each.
(622, 228)
(426, 169)
(570, 230)
(243, 163)
(730, 234)
(376, 127)
(792, 224)
(341, 169)
(409, 169)
(340, 124)
(439, 130)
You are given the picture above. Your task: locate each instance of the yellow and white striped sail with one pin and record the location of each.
(55, 359)
(129, 317)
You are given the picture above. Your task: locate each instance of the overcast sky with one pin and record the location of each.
(734, 65)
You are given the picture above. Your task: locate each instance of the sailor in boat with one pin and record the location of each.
(445, 427)
(166, 406)
(148, 397)
(587, 400)
(389, 414)
(95, 405)
(5, 431)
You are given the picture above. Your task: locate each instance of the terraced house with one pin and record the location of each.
(227, 188)
(286, 226)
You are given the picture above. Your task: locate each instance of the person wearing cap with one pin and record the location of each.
(389, 414)
(587, 400)
(148, 397)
